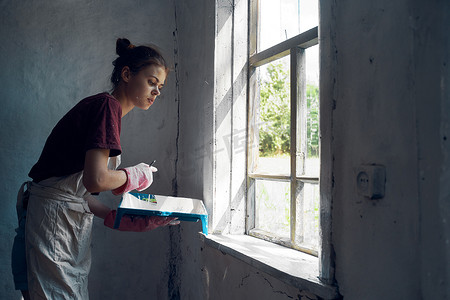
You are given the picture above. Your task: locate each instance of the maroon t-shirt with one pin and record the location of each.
(94, 123)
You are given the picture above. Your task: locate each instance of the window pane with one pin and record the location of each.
(309, 14)
(308, 163)
(307, 230)
(283, 19)
(272, 207)
(274, 118)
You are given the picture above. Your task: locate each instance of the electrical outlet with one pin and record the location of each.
(371, 180)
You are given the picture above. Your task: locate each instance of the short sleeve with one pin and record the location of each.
(104, 126)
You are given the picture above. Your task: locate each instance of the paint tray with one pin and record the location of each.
(185, 209)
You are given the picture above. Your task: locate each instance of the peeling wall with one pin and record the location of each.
(229, 278)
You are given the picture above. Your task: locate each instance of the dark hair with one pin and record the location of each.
(136, 58)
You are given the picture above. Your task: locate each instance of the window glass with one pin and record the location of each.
(283, 19)
(272, 207)
(308, 161)
(309, 14)
(307, 220)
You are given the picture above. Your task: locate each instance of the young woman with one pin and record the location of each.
(80, 158)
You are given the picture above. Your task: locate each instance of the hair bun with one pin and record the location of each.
(123, 46)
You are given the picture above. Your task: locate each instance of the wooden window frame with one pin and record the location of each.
(295, 47)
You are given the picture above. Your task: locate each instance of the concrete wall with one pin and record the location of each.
(390, 92)
(387, 76)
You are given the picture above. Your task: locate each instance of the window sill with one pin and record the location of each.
(290, 266)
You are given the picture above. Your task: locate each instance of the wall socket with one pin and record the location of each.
(371, 180)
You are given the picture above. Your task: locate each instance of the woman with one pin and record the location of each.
(72, 166)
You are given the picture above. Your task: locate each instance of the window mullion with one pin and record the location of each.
(298, 100)
(252, 145)
(252, 107)
(293, 143)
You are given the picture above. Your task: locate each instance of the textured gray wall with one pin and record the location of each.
(54, 53)
(390, 77)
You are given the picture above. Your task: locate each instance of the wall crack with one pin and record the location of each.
(177, 99)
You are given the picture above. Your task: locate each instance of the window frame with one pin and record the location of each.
(295, 47)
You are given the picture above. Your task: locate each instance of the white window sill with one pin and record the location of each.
(290, 266)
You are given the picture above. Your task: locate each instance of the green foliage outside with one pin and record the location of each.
(312, 131)
(275, 114)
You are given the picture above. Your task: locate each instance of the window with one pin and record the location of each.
(266, 162)
(283, 155)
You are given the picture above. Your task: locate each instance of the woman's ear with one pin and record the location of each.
(125, 74)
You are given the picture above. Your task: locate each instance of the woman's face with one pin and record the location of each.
(145, 86)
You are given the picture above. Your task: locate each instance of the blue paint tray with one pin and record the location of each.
(185, 209)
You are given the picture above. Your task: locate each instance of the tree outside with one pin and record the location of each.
(274, 134)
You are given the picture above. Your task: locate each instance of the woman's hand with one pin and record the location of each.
(139, 223)
(139, 177)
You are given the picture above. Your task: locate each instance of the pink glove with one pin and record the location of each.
(139, 177)
(138, 223)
